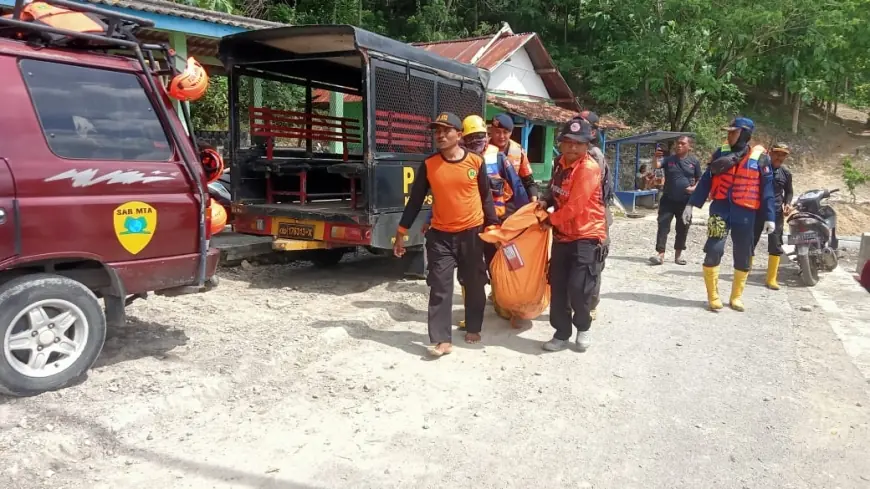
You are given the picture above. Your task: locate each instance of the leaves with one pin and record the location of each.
(683, 55)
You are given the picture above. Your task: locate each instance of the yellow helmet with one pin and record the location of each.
(473, 124)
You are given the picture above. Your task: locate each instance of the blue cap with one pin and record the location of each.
(740, 123)
(503, 121)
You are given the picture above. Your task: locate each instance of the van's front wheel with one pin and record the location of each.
(52, 330)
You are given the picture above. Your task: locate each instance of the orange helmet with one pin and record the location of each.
(190, 84)
(218, 217)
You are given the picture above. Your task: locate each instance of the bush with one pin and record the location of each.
(853, 177)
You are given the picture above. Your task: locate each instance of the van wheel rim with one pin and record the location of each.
(45, 338)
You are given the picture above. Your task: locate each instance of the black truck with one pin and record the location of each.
(328, 125)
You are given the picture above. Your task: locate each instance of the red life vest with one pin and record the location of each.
(501, 189)
(742, 181)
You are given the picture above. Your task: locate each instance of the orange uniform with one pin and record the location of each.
(577, 197)
(461, 197)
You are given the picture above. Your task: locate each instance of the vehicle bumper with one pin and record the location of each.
(162, 275)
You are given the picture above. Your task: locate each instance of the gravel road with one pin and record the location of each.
(290, 377)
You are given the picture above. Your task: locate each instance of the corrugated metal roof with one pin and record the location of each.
(464, 49)
(165, 7)
(542, 111)
(502, 49)
(320, 96)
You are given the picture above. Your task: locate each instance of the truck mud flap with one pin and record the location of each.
(384, 231)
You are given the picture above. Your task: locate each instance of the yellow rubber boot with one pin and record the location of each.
(737, 290)
(772, 271)
(751, 259)
(711, 280)
(462, 321)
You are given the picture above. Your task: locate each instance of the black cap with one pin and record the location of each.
(577, 129)
(447, 119)
(590, 116)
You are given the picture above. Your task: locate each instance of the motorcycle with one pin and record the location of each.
(813, 232)
(219, 190)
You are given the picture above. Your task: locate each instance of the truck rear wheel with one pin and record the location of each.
(52, 330)
(327, 258)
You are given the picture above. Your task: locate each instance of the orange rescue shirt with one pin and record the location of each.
(575, 192)
(461, 197)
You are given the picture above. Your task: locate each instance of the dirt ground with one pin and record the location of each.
(291, 377)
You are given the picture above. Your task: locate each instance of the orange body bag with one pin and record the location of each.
(519, 269)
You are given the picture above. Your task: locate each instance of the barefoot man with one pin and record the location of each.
(461, 206)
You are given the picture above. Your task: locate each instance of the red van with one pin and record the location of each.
(102, 197)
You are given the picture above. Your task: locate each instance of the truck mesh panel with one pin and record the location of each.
(403, 110)
(463, 101)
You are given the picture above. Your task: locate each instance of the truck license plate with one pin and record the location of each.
(803, 238)
(295, 231)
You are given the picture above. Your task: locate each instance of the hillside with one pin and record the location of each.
(817, 154)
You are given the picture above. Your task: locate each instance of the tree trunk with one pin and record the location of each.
(565, 28)
(828, 108)
(795, 114)
(646, 94)
(692, 111)
(681, 106)
(785, 90)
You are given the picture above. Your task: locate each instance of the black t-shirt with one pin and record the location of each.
(679, 175)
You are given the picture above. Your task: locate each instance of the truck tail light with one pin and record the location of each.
(350, 234)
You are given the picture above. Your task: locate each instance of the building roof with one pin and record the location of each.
(165, 7)
(543, 111)
(651, 137)
(501, 50)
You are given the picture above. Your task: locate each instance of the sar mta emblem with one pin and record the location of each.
(135, 223)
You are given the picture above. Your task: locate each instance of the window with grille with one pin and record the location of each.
(405, 102)
(403, 110)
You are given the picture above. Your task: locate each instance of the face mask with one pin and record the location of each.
(476, 144)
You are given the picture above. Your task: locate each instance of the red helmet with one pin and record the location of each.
(213, 164)
(191, 84)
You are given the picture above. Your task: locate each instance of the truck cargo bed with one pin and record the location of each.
(331, 211)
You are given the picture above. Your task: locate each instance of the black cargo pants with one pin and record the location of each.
(668, 210)
(445, 253)
(575, 274)
(596, 299)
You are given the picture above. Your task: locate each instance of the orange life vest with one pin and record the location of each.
(515, 154)
(742, 181)
(501, 189)
(61, 18)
